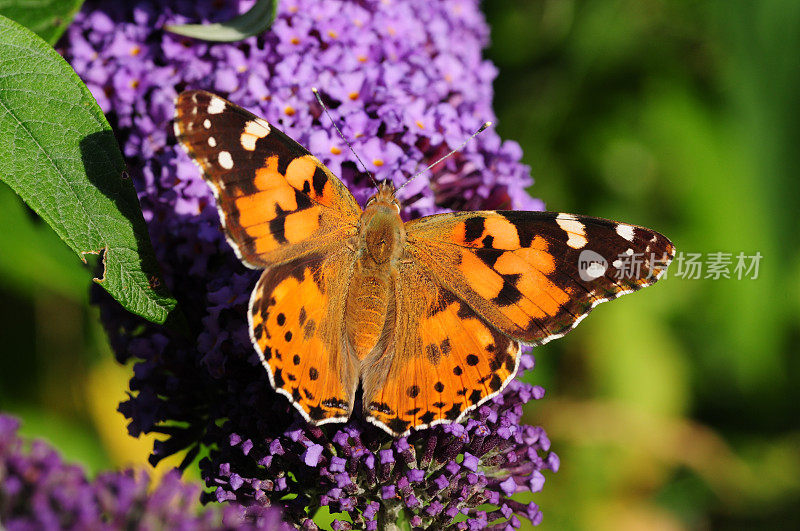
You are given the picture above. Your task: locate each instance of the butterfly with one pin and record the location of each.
(428, 316)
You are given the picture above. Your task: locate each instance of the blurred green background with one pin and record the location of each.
(675, 408)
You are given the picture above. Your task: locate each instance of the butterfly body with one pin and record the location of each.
(426, 317)
(377, 252)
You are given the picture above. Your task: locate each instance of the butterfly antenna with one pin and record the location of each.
(325, 108)
(456, 150)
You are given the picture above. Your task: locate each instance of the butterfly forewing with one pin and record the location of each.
(276, 200)
(535, 275)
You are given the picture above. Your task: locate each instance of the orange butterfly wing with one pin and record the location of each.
(442, 360)
(472, 285)
(296, 325)
(276, 200)
(526, 272)
(284, 211)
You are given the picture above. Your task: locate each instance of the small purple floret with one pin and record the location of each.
(312, 454)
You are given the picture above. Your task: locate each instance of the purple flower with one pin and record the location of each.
(39, 491)
(404, 93)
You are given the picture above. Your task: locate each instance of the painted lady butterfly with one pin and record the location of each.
(427, 316)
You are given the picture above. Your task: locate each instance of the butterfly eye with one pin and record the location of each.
(370, 201)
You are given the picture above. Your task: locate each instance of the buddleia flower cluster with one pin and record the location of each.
(38, 490)
(404, 92)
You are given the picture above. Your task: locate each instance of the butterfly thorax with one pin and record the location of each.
(381, 239)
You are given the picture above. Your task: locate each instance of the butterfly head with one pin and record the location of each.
(384, 197)
(381, 228)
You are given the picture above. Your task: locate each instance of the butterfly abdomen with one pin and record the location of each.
(367, 304)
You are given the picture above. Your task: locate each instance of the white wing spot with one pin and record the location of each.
(626, 231)
(574, 228)
(225, 160)
(254, 130)
(176, 128)
(212, 141)
(216, 106)
(207, 123)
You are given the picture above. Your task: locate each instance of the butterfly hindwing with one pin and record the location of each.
(535, 275)
(276, 200)
(441, 361)
(296, 326)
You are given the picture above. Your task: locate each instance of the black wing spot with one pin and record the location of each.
(438, 405)
(473, 228)
(267, 353)
(488, 256)
(303, 201)
(433, 353)
(495, 383)
(381, 407)
(258, 331)
(287, 336)
(453, 412)
(281, 319)
(398, 425)
(413, 411)
(472, 360)
(413, 391)
(445, 346)
(319, 181)
(296, 359)
(509, 294)
(427, 417)
(457, 370)
(279, 378)
(462, 391)
(316, 413)
(438, 387)
(313, 373)
(296, 394)
(309, 328)
(302, 317)
(308, 394)
(336, 403)
(277, 226)
(475, 396)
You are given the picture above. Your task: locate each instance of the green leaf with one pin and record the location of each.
(256, 20)
(61, 157)
(47, 18)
